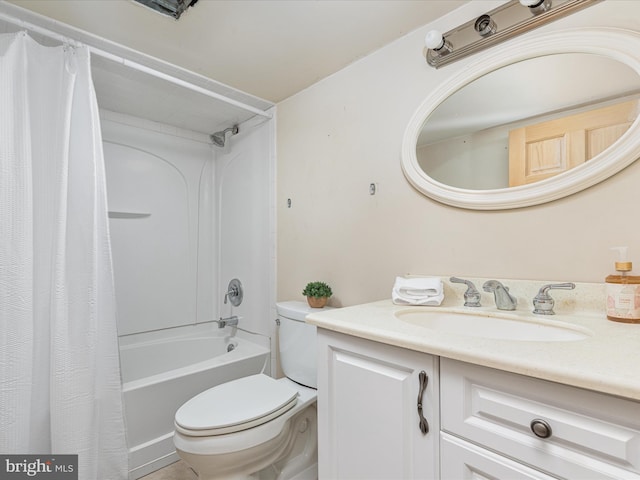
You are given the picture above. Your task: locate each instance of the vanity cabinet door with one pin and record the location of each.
(461, 460)
(368, 419)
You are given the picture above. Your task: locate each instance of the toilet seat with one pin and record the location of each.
(235, 406)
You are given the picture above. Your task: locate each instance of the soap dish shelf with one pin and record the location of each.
(128, 215)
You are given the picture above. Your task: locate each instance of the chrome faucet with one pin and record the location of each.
(504, 300)
(234, 293)
(472, 295)
(227, 322)
(543, 302)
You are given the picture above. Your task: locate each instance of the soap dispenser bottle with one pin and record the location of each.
(623, 291)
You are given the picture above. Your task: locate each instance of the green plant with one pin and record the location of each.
(317, 289)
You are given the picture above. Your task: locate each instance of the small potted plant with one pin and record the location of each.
(317, 294)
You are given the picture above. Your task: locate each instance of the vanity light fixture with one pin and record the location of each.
(537, 6)
(436, 42)
(500, 24)
(171, 8)
(485, 25)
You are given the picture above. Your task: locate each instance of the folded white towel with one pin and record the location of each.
(434, 300)
(419, 286)
(417, 291)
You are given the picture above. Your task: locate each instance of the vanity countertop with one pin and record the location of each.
(606, 361)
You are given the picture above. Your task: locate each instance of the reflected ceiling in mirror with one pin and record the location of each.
(465, 141)
(456, 147)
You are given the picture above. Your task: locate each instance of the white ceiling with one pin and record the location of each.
(269, 48)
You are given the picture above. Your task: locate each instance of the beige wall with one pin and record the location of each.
(345, 132)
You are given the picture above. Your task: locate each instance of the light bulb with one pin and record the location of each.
(434, 40)
(530, 3)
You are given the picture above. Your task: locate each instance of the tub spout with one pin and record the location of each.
(227, 322)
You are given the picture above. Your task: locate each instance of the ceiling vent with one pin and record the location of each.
(171, 8)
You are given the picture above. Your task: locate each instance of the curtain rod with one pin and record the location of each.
(131, 64)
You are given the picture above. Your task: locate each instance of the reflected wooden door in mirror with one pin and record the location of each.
(549, 148)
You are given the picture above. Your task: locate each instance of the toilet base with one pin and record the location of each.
(292, 455)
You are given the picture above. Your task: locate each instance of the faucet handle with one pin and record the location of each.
(234, 293)
(543, 302)
(471, 296)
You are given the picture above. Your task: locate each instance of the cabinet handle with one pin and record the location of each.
(424, 380)
(540, 428)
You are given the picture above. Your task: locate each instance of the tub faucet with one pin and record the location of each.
(504, 300)
(227, 322)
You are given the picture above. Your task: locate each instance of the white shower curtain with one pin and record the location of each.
(60, 390)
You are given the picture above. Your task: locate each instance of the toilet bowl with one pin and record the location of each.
(258, 427)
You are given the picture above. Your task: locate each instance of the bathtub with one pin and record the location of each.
(160, 375)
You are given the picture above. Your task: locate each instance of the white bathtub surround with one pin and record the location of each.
(61, 389)
(172, 268)
(602, 361)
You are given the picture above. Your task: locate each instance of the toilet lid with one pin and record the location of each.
(234, 406)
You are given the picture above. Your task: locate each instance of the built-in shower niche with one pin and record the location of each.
(159, 198)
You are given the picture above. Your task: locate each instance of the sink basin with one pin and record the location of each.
(494, 327)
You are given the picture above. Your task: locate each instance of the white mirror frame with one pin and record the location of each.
(617, 44)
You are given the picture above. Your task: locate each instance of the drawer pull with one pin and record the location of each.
(424, 380)
(540, 428)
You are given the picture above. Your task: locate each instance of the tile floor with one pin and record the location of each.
(175, 471)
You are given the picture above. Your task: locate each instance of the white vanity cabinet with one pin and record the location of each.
(484, 423)
(368, 419)
(489, 417)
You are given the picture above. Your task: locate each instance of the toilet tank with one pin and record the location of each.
(297, 342)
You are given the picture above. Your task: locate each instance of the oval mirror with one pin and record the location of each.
(538, 120)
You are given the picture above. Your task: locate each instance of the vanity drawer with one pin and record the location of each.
(463, 460)
(590, 435)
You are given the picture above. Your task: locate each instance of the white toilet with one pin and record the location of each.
(258, 427)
